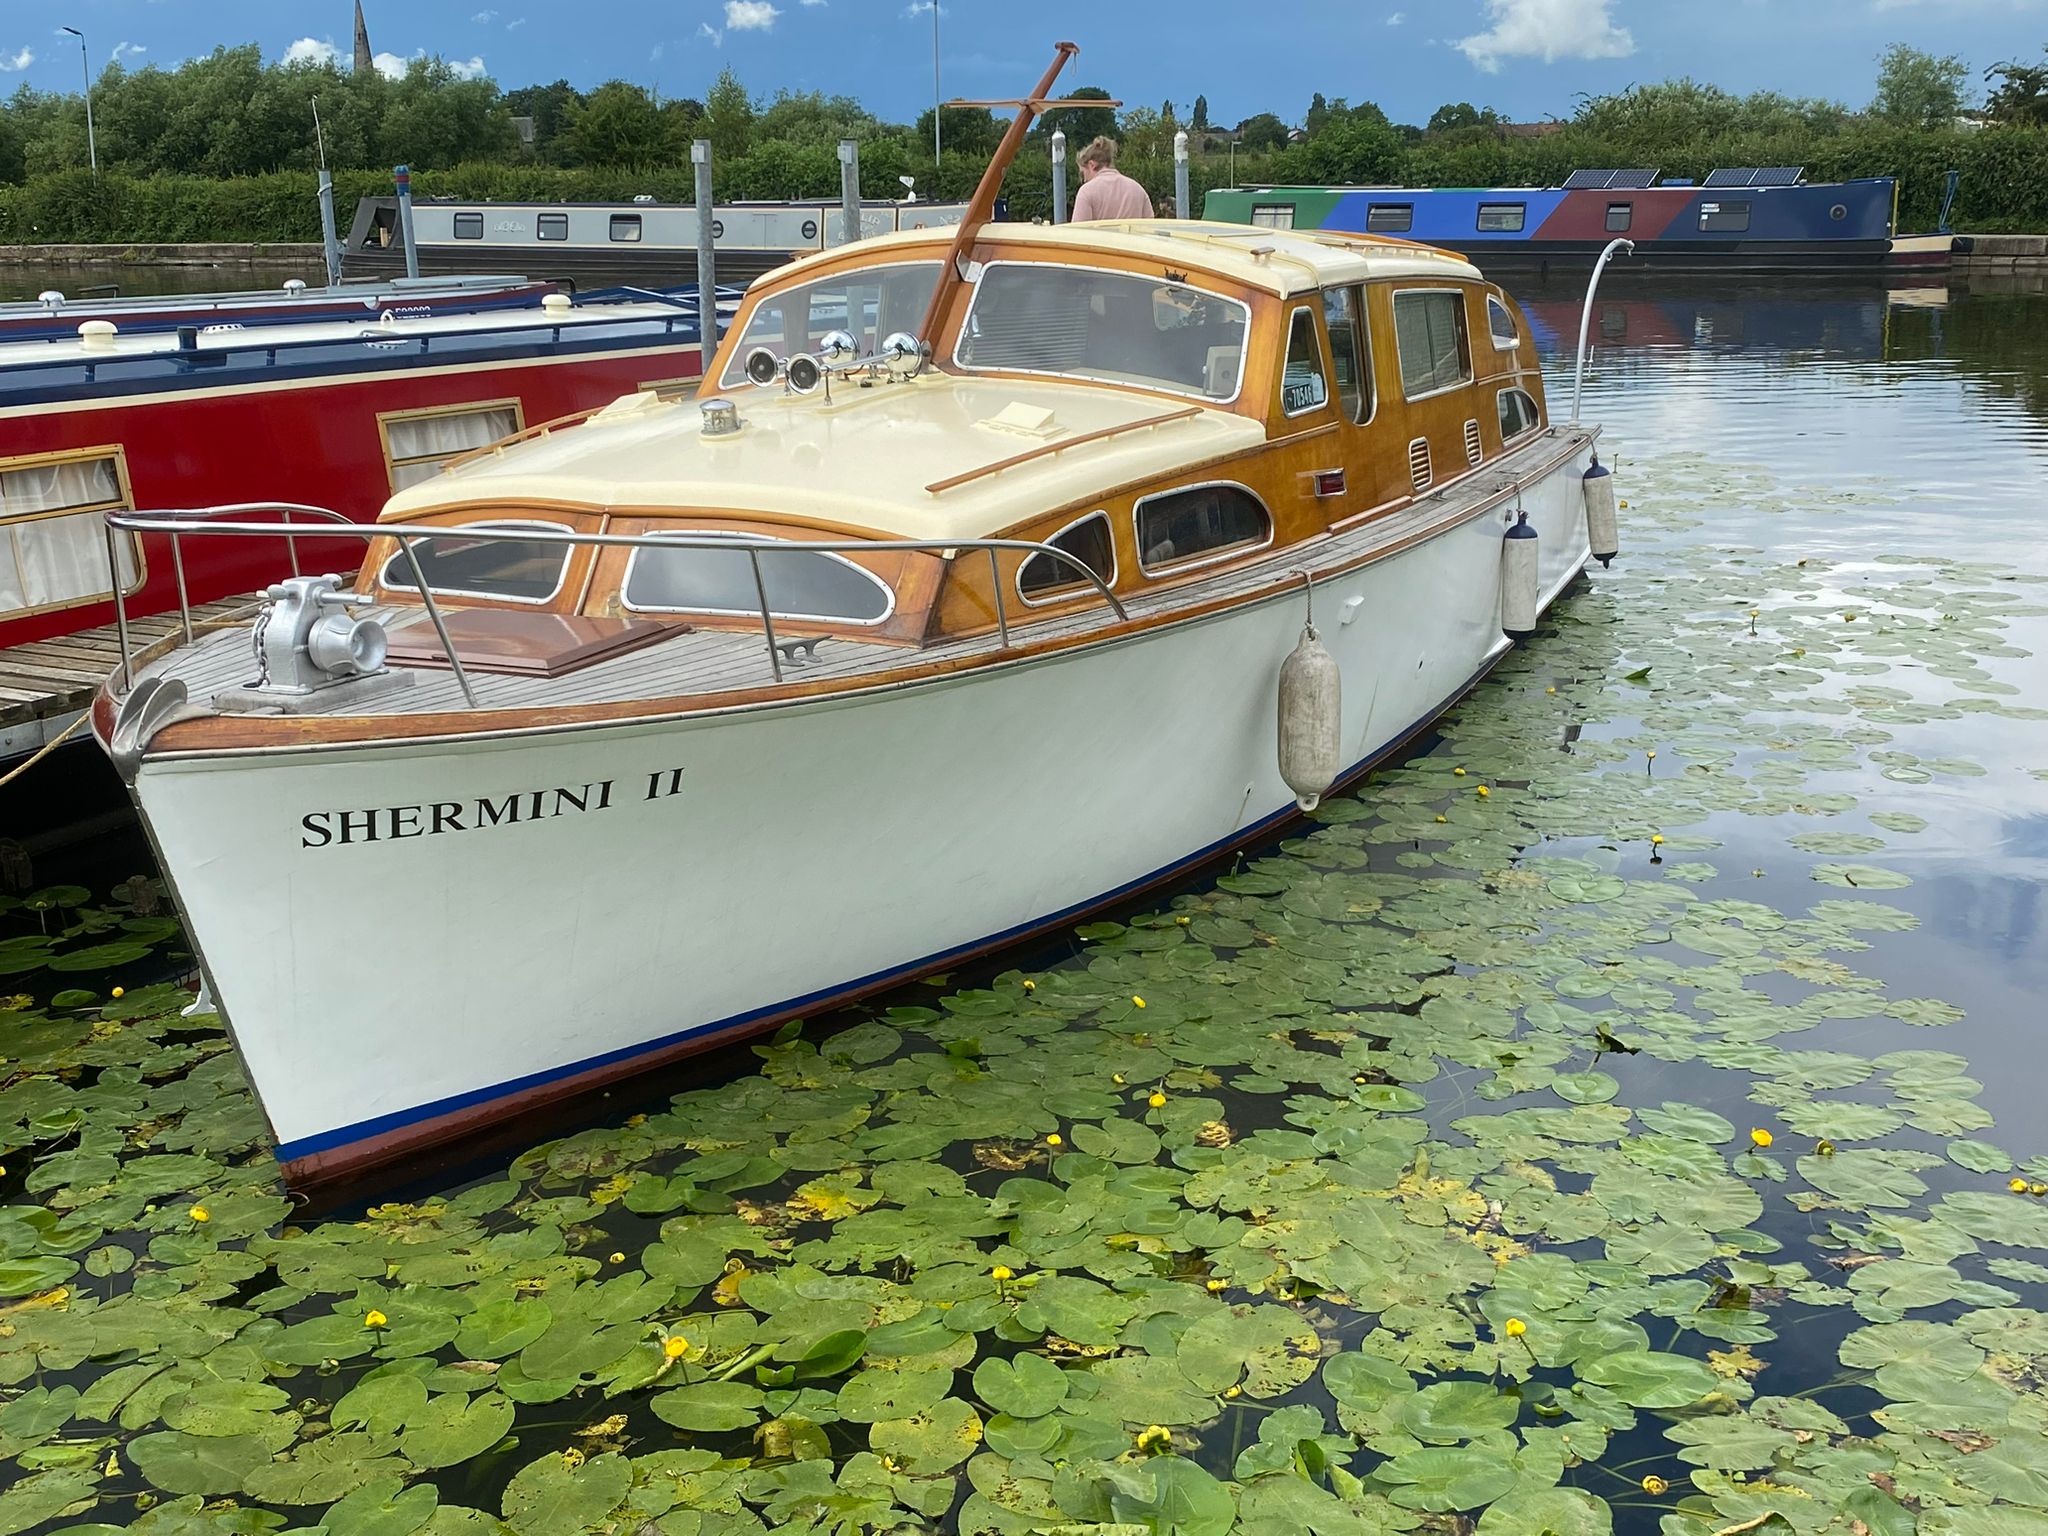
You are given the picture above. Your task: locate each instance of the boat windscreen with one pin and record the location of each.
(1121, 328)
(871, 302)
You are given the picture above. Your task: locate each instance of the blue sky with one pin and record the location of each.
(1528, 58)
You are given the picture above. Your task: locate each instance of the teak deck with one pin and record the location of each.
(49, 680)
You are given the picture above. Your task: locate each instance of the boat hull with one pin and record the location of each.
(709, 875)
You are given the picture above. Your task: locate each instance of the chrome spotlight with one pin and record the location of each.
(903, 352)
(838, 346)
(763, 366)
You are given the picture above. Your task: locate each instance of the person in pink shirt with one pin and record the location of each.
(1106, 192)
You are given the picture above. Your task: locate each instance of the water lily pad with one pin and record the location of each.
(1024, 1387)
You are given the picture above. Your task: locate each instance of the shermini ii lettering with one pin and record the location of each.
(391, 823)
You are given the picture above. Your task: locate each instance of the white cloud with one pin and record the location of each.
(811, 4)
(654, 54)
(1548, 30)
(515, 24)
(918, 8)
(312, 50)
(750, 16)
(471, 68)
(125, 50)
(14, 61)
(484, 18)
(705, 29)
(390, 66)
(1397, 18)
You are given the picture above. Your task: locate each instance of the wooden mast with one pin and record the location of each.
(983, 205)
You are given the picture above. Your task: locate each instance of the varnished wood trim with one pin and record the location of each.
(282, 733)
(1043, 450)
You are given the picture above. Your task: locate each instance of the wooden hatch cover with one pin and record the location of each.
(524, 644)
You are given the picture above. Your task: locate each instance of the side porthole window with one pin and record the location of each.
(1201, 522)
(469, 226)
(1344, 314)
(1502, 324)
(1517, 414)
(626, 227)
(1429, 335)
(551, 226)
(1302, 386)
(800, 584)
(1043, 577)
(509, 570)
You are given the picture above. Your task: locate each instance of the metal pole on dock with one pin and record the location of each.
(1180, 175)
(1059, 175)
(330, 242)
(849, 190)
(707, 277)
(403, 176)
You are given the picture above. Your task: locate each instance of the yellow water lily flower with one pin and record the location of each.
(1514, 1328)
(1157, 1100)
(1118, 1078)
(1656, 839)
(1030, 985)
(1154, 1437)
(1233, 1391)
(2017, 1186)
(1442, 819)
(1137, 1002)
(375, 1319)
(1054, 1140)
(1458, 772)
(674, 1347)
(1759, 1136)
(1183, 920)
(1002, 1272)
(1213, 1286)
(120, 991)
(2037, 1190)
(618, 1258)
(1823, 1148)
(200, 1213)
(1484, 791)
(1655, 1485)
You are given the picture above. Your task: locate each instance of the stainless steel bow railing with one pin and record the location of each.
(218, 522)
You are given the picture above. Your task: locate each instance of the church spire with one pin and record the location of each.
(364, 62)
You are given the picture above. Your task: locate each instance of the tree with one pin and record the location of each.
(971, 131)
(617, 124)
(549, 106)
(1080, 124)
(1318, 114)
(1919, 90)
(2021, 95)
(728, 117)
(1199, 119)
(1264, 131)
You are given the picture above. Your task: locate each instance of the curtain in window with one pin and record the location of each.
(49, 487)
(45, 561)
(1428, 337)
(420, 445)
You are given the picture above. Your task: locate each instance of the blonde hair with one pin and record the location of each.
(1101, 151)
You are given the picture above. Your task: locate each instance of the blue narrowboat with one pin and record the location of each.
(1753, 219)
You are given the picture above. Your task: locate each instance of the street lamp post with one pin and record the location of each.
(92, 147)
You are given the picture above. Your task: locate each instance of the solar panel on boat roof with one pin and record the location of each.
(1733, 176)
(1581, 180)
(1779, 176)
(1634, 180)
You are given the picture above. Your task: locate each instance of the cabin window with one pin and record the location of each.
(1732, 217)
(1273, 215)
(469, 226)
(872, 303)
(1517, 414)
(1350, 356)
(1390, 218)
(551, 226)
(1429, 334)
(1035, 317)
(1203, 522)
(801, 584)
(1302, 385)
(626, 228)
(507, 570)
(1619, 216)
(1501, 218)
(418, 443)
(1506, 333)
(53, 537)
(1088, 541)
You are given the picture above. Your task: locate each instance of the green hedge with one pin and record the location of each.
(2004, 181)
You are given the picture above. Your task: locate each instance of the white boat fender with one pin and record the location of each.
(1519, 579)
(1311, 719)
(1601, 532)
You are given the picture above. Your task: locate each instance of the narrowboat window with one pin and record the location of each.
(1389, 218)
(1033, 317)
(1517, 414)
(1502, 324)
(1429, 334)
(1724, 216)
(626, 227)
(510, 570)
(469, 226)
(1273, 215)
(1302, 385)
(53, 542)
(418, 443)
(1619, 216)
(801, 584)
(551, 226)
(1089, 542)
(871, 303)
(1203, 521)
(1501, 218)
(1344, 314)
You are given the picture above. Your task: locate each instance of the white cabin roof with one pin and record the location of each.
(867, 460)
(1279, 261)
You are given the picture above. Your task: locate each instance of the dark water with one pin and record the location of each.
(82, 280)
(1804, 461)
